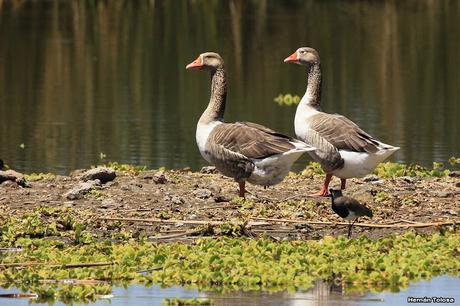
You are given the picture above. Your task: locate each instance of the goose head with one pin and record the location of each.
(208, 61)
(303, 56)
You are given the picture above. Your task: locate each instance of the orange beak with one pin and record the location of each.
(196, 64)
(292, 58)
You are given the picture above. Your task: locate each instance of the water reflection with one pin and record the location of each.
(78, 78)
(322, 294)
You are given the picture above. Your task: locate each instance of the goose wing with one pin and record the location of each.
(232, 147)
(343, 133)
(251, 140)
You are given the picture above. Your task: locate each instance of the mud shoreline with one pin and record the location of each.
(171, 205)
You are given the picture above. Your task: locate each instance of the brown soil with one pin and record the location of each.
(186, 195)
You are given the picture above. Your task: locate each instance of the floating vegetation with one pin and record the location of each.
(287, 99)
(95, 193)
(185, 302)
(312, 169)
(61, 260)
(39, 176)
(381, 196)
(390, 170)
(125, 168)
(454, 160)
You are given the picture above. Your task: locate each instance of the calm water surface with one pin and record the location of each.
(80, 78)
(321, 295)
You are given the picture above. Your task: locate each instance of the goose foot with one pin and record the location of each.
(343, 182)
(324, 190)
(242, 189)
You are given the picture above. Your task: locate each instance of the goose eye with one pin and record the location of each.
(302, 51)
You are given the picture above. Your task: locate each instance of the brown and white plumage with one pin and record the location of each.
(244, 151)
(343, 148)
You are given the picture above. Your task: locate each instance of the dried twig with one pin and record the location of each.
(266, 221)
(149, 270)
(226, 205)
(72, 281)
(409, 221)
(360, 224)
(53, 265)
(19, 295)
(12, 249)
(175, 235)
(174, 221)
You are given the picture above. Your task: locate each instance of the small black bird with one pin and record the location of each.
(348, 208)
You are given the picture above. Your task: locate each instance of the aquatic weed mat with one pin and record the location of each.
(74, 265)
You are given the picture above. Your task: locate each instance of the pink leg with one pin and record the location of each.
(242, 188)
(323, 192)
(343, 182)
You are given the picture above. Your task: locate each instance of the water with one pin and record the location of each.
(80, 78)
(322, 294)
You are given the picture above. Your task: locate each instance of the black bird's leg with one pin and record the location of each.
(350, 226)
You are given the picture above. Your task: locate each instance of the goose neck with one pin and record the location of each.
(312, 95)
(216, 107)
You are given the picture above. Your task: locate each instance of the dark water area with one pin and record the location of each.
(321, 295)
(80, 78)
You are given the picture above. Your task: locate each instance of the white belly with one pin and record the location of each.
(351, 216)
(359, 164)
(272, 170)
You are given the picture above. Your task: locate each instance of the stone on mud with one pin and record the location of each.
(202, 193)
(100, 173)
(160, 178)
(82, 189)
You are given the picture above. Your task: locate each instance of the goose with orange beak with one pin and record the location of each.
(244, 151)
(343, 148)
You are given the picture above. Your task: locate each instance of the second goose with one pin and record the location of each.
(244, 151)
(343, 149)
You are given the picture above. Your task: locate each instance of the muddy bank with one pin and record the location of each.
(206, 196)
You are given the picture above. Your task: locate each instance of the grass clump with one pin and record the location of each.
(125, 168)
(312, 169)
(391, 170)
(95, 193)
(39, 176)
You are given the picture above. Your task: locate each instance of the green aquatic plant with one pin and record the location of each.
(381, 196)
(312, 169)
(287, 99)
(454, 160)
(39, 176)
(186, 302)
(95, 193)
(391, 170)
(60, 258)
(125, 168)
(243, 203)
(232, 229)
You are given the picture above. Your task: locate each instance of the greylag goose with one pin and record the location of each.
(343, 149)
(244, 151)
(348, 208)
